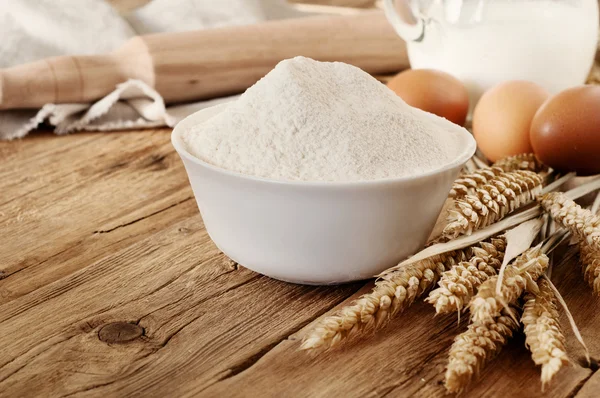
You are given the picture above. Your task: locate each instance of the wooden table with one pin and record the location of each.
(110, 286)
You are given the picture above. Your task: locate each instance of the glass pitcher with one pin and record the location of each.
(484, 42)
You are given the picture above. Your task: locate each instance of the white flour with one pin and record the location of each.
(321, 121)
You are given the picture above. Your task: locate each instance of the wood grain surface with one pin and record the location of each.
(110, 286)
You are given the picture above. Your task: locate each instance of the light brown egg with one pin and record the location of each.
(433, 91)
(565, 132)
(502, 118)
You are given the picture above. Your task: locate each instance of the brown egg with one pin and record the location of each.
(433, 91)
(565, 132)
(502, 118)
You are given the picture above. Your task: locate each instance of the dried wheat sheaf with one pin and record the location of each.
(526, 269)
(579, 221)
(458, 285)
(490, 203)
(396, 290)
(481, 342)
(467, 184)
(525, 161)
(543, 334)
(473, 275)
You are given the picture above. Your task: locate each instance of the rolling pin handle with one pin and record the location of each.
(64, 79)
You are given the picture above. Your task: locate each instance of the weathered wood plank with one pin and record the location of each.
(591, 388)
(408, 358)
(88, 249)
(60, 195)
(203, 319)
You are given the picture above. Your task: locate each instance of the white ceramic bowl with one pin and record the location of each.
(316, 232)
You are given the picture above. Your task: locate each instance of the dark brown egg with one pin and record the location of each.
(433, 91)
(565, 132)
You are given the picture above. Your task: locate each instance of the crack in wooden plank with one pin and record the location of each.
(143, 217)
(159, 347)
(247, 363)
(241, 366)
(580, 385)
(186, 295)
(424, 363)
(593, 367)
(65, 289)
(214, 296)
(167, 339)
(156, 290)
(59, 187)
(5, 275)
(32, 358)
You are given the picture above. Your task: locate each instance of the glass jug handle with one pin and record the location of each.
(409, 26)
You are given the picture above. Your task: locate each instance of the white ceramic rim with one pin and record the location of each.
(177, 142)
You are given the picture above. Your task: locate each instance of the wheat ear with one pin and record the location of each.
(396, 290)
(590, 259)
(468, 183)
(524, 161)
(526, 269)
(543, 334)
(458, 285)
(481, 342)
(579, 221)
(490, 203)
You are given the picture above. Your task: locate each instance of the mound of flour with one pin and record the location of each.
(322, 121)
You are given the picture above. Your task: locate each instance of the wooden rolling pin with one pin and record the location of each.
(204, 64)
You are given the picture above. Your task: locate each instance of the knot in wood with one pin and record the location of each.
(120, 332)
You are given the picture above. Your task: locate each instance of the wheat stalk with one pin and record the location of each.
(471, 349)
(526, 268)
(579, 221)
(395, 291)
(543, 334)
(490, 203)
(525, 161)
(458, 285)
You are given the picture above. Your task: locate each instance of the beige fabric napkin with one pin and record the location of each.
(55, 27)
